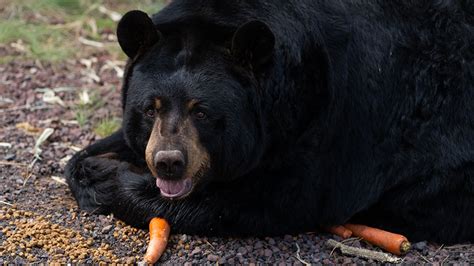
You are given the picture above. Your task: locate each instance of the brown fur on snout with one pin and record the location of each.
(198, 157)
(152, 147)
(186, 137)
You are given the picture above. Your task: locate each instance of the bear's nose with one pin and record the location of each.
(169, 164)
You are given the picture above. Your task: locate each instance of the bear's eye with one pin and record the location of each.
(200, 115)
(150, 112)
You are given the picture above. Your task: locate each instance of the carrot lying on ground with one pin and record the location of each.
(339, 230)
(159, 232)
(390, 242)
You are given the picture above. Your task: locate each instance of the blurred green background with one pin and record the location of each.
(55, 30)
(64, 36)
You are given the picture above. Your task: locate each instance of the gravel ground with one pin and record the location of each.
(39, 219)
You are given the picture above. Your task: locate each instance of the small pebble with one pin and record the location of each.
(106, 229)
(258, 245)
(183, 238)
(242, 250)
(212, 257)
(420, 245)
(130, 260)
(195, 251)
(267, 253)
(10, 157)
(249, 248)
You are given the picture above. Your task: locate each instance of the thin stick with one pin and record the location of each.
(298, 255)
(13, 164)
(29, 107)
(444, 260)
(457, 246)
(28, 172)
(440, 248)
(6, 203)
(59, 180)
(363, 253)
(207, 242)
(423, 257)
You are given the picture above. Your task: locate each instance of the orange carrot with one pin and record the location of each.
(339, 230)
(390, 242)
(159, 232)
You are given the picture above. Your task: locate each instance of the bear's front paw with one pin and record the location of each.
(92, 181)
(91, 169)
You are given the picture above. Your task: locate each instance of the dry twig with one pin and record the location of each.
(207, 242)
(24, 107)
(423, 257)
(58, 179)
(6, 203)
(20, 165)
(444, 260)
(438, 250)
(299, 257)
(363, 253)
(5, 145)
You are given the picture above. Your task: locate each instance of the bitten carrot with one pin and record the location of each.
(390, 242)
(159, 232)
(339, 230)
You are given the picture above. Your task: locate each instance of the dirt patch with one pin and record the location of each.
(39, 219)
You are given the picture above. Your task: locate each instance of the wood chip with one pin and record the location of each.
(59, 179)
(28, 128)
(90, 42)
(5, 145)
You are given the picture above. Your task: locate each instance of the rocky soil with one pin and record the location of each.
(39, 219)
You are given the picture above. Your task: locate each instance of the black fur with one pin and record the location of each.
(363, 111)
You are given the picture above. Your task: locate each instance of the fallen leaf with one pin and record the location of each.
(5, 145)
(19, 46)
(112, 14)
(28, 128)
(115, 65)
(58, 179)
(5, 102)
(84, 98)
(64, 160)
(49, 96)
(90, 42)
(42, 138)
(75, 148)
(93, 25)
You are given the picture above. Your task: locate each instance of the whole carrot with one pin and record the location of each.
(339, 230)
(390, 242)
(159, 232)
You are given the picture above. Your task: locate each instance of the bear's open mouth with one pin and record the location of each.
(174, 188)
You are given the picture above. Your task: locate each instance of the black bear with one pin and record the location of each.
(280, 116)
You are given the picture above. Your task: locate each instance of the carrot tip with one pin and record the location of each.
(340, 231)
(405, 247)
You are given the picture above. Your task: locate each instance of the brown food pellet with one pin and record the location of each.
(38, 232)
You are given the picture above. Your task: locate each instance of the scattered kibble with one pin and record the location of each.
(36, 231)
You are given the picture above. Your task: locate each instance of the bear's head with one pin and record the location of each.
(191, 99)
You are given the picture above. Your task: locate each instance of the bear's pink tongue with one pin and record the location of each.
(174, 189)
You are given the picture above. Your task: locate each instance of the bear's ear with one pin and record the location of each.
(253, 42)
(136, 32)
